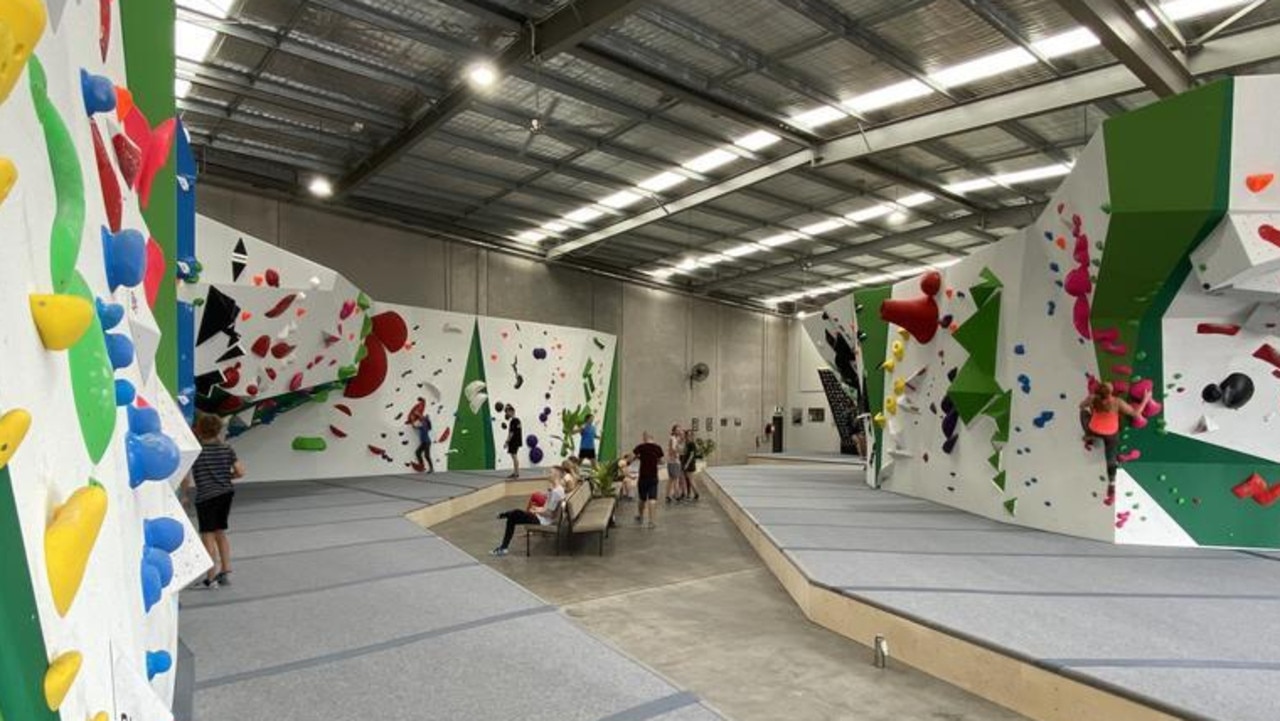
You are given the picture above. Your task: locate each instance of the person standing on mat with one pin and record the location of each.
(650, 455)
(675, 471)
(1100, 417)
(543, 513)
(212, 475)
(423, 451)
(689, 465)
(587, 446)
(515, 438)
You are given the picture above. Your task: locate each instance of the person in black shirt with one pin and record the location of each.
(650, 455)
(211, 478)
(515, 438)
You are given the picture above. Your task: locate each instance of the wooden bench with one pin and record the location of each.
(580, 513)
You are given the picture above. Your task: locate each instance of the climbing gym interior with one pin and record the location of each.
(639, 360)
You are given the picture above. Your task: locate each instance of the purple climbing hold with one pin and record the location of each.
(540, 353)
(949, 423)
(536, 455)
(531, 441)
(1020, 349)
(950, 444)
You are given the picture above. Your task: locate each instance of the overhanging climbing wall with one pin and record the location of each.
(1153, 267)
(95, 544)
(320, 381)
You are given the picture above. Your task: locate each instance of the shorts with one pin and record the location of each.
(648, 489)
(673, 470)
(212, 514)
(513, 448)
(587, 454)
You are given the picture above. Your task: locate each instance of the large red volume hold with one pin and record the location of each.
(372, 371)
(918, 316)
(391, 330)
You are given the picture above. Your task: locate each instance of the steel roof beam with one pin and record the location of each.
(1130, 42)
(560, 31)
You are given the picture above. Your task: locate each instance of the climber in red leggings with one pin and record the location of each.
(1100, 417)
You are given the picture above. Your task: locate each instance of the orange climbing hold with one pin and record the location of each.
(1258, 182)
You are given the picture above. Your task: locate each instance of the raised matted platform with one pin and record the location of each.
(343, 608)
(1054, 627)
(804, 457)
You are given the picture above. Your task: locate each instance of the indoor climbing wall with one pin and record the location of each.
(96, 545)
(320, 381)
(834, 332)
(1153, 267)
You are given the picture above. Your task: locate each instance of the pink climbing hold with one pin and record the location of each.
(1120, 387)
(1132, 455)
(1122, 370)
(1141, 388)
(348, 307)
(1106, 335)
(1077, 283)
(1080, 317)
(1122, 518)
(155, 273)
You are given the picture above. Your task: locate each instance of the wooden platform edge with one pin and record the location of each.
(442, 511)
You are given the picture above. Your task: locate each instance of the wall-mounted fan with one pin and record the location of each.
(699, 373)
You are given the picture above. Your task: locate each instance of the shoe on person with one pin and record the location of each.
(208, 583)
(223, 579)
(498, 552)
(652, 525)
(639, 519)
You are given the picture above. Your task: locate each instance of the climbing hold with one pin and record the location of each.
(125, 256)
(128, 155)
(1211, 393)
(163, 533)
(261, 346)
(151, 457)
(59, 678)
(21, 24)
(899, 386)
(119, 350)
(1237, 390)
(950, 444)
(60, 319)
(158, 662)
(155, 273)
(98, 93)
(536, 455)
(1258, 182)
(281, 306)
(314, 444)
(125, 392)
(280, 350)
(154, 157)
(109, 314)
(272, 277)
(889, 365)
(159, 559)
(152, 585)
(8, 176)
(918, 316)
(68, 541)
(363, 301)
(897, 348)
(891, 405)
(13, 429)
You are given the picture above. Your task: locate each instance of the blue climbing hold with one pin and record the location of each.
(158, 662)
(109, 314)
(125, 256)
(151, 457)
(1024, 382)
(119, 350)
(125, 392)
(143, 420)
(99, 93)
(1020, 349)
(152, 585)
(163, 533)
(159, 559)
(1043, 419)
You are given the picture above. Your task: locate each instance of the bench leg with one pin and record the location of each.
(528, 544)
(602, 535)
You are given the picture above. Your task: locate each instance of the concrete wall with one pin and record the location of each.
(804, 391)
(660, 334)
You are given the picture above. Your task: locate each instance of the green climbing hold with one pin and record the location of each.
(367, 328)
(361, 352)
(972, 391)
(68, 182)
(980, 334)
(1177, 376)
(1141, 355)
(346, 372)
(363, 301)
(994, 460)
(93, 385)
(1163, 477)
(1106, 208)
(999, 480)
(320, 396)
(1011, 506)
(987, 286)
(309, 443)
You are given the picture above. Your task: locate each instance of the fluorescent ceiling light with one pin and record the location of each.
(482, 75)
(555, 226)
(915, 199)
(662, 181)
(984, 67)
(738, 251)
(662, 273)
(774, 241)
(968, 186)
(689, 264)
(758, 140)
(710, 161)
(889, 95)
(825, 226)
(714, 259)
(1032, 174)
(191, 41)
(1072, 41)
(818, 116)
(531, 236)
(622, 199)
(320, 187)
(875, 211)
(1177, 10)
(584, 215)
(946, 263)
(897, 217)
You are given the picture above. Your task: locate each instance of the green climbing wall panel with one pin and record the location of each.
(875, 331)
(23, 657)
(471, 445)
(608, 446)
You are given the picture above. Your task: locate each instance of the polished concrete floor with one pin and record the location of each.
(691, 599)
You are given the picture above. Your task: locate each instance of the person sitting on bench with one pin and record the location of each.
(544, 514)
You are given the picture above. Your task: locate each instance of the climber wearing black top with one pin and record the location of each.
(515, 438)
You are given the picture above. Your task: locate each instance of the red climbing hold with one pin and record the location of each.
(376, 451)
(1217, 329)
(230, 377)
(444, 436)
(262, 346)
(281, 349)
(918, 316)
(1269, 233)
(107, 179)
(154, 158)
(391, 330)
(281, 306)
(1250, 487)
(155, 272)
(1258, 182)
(128, 157)
(271, 373)
(104, 27)
(337, 432)
(272, 277)
(416, 412)
(342, 408)
(1268, 353)
(348, 307)
(295, 383)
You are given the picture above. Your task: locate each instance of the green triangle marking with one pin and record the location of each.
(985, 288)
(1000, 410)
(999, 480)
(1011, 506)
(994, 460)
(972, 391)
(979, 335)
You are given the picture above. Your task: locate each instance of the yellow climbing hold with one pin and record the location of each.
(904, 333)
(891, 405)
(69, 540)
(101, 716)
(13, 428)
(21, 24)
(8, 176)
(61, 319)
(879, 420)
(898, 349)
(899, 386)
(889, 365)
(58, 679)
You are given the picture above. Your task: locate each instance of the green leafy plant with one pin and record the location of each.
(605, 478)
(703, 448)
(570, 422)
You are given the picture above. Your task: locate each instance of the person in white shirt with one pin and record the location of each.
(544, 514)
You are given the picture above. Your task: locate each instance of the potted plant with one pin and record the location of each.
(702, 450)
(605, 478)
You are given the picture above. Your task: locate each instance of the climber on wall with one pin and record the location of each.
(1100, 416)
